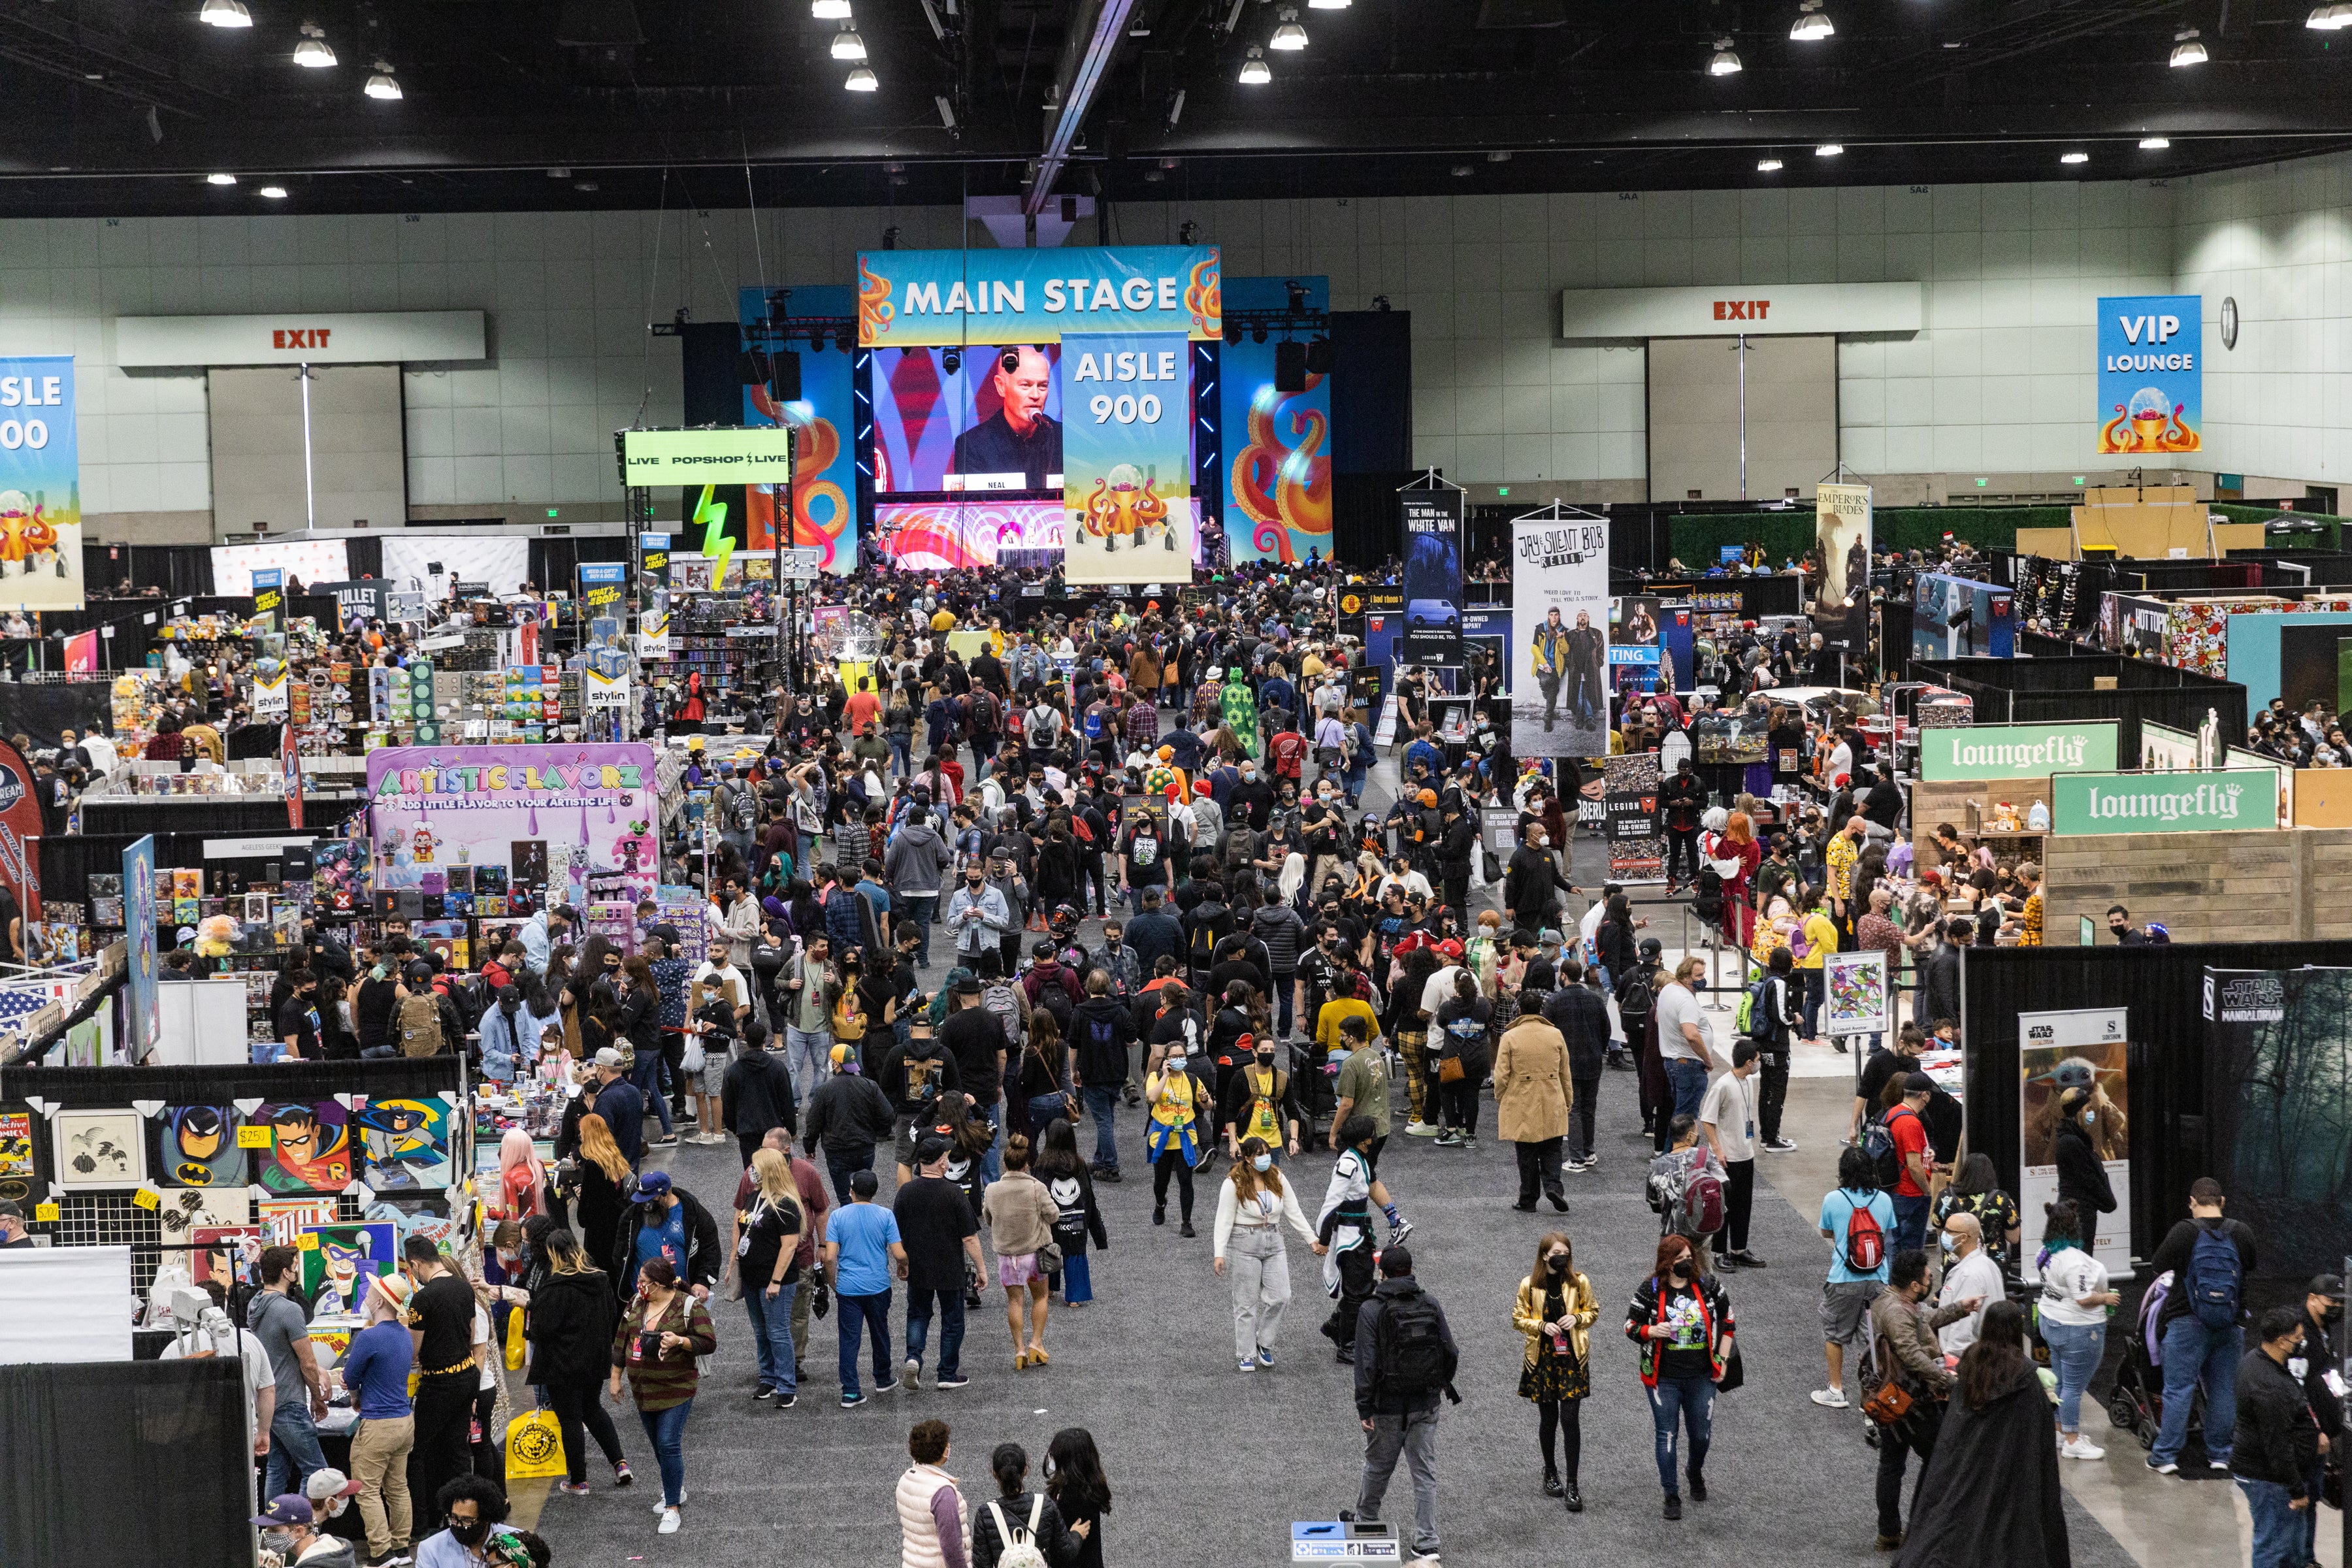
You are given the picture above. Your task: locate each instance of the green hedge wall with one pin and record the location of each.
(1697, 536)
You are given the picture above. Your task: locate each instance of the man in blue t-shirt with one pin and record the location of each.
(861, 1245)
(1858, 1222)
(375, 1370)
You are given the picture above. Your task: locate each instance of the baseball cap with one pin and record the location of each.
(293, 1508)
(651, 1186)
(840, 1054)
(2328, 1285)
(929, 1148)
(1918, 1083)
(1042, 948)
(330, 1483)
(1450, 948)
(609, 1058)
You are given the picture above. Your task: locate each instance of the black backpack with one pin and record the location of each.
(1635, 1000)
(1415, 1359)
(1212, 923)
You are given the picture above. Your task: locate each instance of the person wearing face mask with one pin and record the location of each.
(1682, 1320)
(1254, 1203)
(1528, 883)
(1969, 1272)
(475, 1510)
(2314, 1364)
(291, 1534)
(1556, 1309)
(2276, 1445)
(1252, 799)
(1259, 1101)
(977, 916)
(2074, 1318)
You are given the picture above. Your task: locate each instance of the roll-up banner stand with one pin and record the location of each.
(2087, 1049)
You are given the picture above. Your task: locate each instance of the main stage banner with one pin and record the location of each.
(40, 486)
(1127, 405)
(912, 299)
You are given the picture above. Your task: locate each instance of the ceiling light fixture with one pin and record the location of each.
(1723, 62)
(224, 13)
(1811, 26)
(2186, 49)
(947, 110)
(2154, 144)
(312, 51)
(2073, 157)
(846, 43)
(1289, 35)
(829, 10)
(862, 81)
(275, 193)
(1256, 72)
(1768, 166)
(1328, 5)
(2329, 19)
(220, 179)
(381, 85)
(1830, 150)
(1461, 172)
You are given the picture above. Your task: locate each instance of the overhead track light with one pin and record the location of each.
(382, 85)
(1830, 150)
(220, 179)
(2154, 144)
(846, 43)
(1812, 23)
(947, 111)
(2186, 49)
(224, 13)
(1723, 62)
(1328, 5)
(1256, 72)
(862, 81)
(2073, 157)
(1768, 166)
(312, 51)
(275, 193)
(1289, 35)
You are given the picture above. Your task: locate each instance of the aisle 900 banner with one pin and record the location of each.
(1127, 456)
(40, 486)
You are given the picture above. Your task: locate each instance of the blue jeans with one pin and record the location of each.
(2074, 1352)
(1045, 1109)
(1101, 1103)
(919, 910)
(1286, 997)
(898, 754)
(2194, 1353)
(294, 1451)
(645, 1073)
(1077, 1278)
(666, 1429)
(991, 1166)
(1910, 1224)
(808, 1053)
(772, 1334)
(842, 1170)
(1687, 1078)
(871, 1316)
(2278, 1528)
(1692, 1400)
(919, 1326)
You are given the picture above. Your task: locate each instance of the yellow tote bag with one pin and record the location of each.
(534, 1447)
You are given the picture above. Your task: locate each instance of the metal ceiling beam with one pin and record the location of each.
(1088, 49)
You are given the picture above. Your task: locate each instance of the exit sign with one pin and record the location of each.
(1502, 489)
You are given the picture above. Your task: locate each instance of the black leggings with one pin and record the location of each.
(577, 1404)
(1557, 1419)
(1171, 1162)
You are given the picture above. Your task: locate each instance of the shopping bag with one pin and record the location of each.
(534, 1447)
(514, 1339)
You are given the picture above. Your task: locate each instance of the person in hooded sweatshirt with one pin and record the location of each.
(850, 1115)
(1101, 1032)
(914, 866)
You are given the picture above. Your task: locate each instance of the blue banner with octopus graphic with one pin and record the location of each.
(1277, 445)
(1126, 456)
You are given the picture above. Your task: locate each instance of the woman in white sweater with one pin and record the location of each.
(1252, 1204)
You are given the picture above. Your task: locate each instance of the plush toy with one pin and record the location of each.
(214, 936)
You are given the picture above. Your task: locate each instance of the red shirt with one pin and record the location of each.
(861, 711)
(1910, 1138)
(1289, 752)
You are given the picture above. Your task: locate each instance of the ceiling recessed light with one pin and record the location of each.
(1830, 150)
(1461, 172)
(1768, 166)
(220, 179)
(1328, 5)
(2073, 157)
(1289, 36)
(862, 81)
(2154, 144)
(224, 13)
(829, 10)
(312, 52)
(1256, 72)
(2187, 50)
(275, 193)
(583, 184)
(381, 84)
(1723, 62)
(847, 45)
(1811, 26)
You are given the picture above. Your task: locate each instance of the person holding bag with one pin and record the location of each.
(1908, 1405)
(1019, 1519)
(1682, 1320)
(1254, 1203)
(1556, 1309)
(1042, 1084)
(770, 1271)
(655, 1347)
(1020, 1215)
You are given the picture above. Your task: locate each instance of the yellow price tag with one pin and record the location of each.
(256, 1137)
(46, 1213)
(306, 1242)
(144, 1199)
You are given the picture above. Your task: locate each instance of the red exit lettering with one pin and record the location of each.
(299, 337)
(1742, 309)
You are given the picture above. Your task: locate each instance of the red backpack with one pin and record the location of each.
(1866, 1243)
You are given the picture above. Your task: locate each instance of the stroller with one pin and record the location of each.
(2135, 1405)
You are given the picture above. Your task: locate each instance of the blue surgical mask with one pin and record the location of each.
(1264, 1161)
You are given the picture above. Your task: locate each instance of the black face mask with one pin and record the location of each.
(1683, 1272)
(469, 1534)
(1558, 1265)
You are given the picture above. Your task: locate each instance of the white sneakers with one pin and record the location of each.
(1423, 1129)
(2081, 1447)
(1829, 1398)
(669, 1522)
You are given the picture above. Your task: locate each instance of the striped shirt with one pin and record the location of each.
(661, 1381)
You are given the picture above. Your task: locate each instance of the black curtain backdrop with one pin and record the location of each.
(1371, 431)
(166, 1462)
(41, 710)
(712, 359)
(2163, 988)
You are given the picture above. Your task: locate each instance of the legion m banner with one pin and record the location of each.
(1842, 540)
(2151, 383)
(1126, 457)
(40, 486)
(2076, 1064)
(1559, 621)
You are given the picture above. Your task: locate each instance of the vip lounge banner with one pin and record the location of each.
(2151, 376)
(2016, 751)
(2089, 1049)
(1126, 454)
(1432, 520)
(911, 299)
(1841, 539)
(2163, 802)
(40, 486)
(1277, 445)
(558, 823)
(1560, 634)
(822, 487)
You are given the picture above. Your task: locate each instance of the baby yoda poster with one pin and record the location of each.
(435, 808)
(40, 486)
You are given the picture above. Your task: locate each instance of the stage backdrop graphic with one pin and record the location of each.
(2090, 1046)
(1431, 521)
(1559, 636)
(40, 486)
(913, 298)
(306, 560)
(1277, 445)
(2151, 380)
(1127, 457)
(825, 467)
(408, 562)
(590, 811)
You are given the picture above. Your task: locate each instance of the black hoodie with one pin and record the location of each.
(1102, 1031)
(571, 1329)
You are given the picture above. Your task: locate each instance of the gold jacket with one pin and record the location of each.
(1584, 1307)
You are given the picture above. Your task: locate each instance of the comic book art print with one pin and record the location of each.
(283, 1219)
(228, 1253)
(340, 881)
(338, 1260)
(406, 1142)
(310, 1147)
(98, 1149)
(15, 1148)
(195, 1146)
(1856, 995)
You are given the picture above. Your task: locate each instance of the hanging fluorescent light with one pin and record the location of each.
(381, 84)
(2329, 19)
(846, 43)
(220, 179)
(1768, 166)
(1723, 62)
(1328, 5)
(1830, 150)
(1256, 72)
(275, 193)
(829, 10)
(312, 51)
(2073, 157)
(1289, 35)
(862, 81)
(2154, 144)
(2185, 49)
(1811, 26)
(224, 13)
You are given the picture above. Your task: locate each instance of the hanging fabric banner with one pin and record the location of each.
(1559, 621)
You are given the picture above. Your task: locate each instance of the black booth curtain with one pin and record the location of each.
(138, 1461)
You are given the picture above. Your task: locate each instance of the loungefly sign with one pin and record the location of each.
(578, 821)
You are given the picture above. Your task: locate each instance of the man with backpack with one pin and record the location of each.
(2201, 1324)
(1775, 1008)
(1896, 1143)
(1687, 1186)
(1405, 1357)
(1101, 1032)
(1856, 1221)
